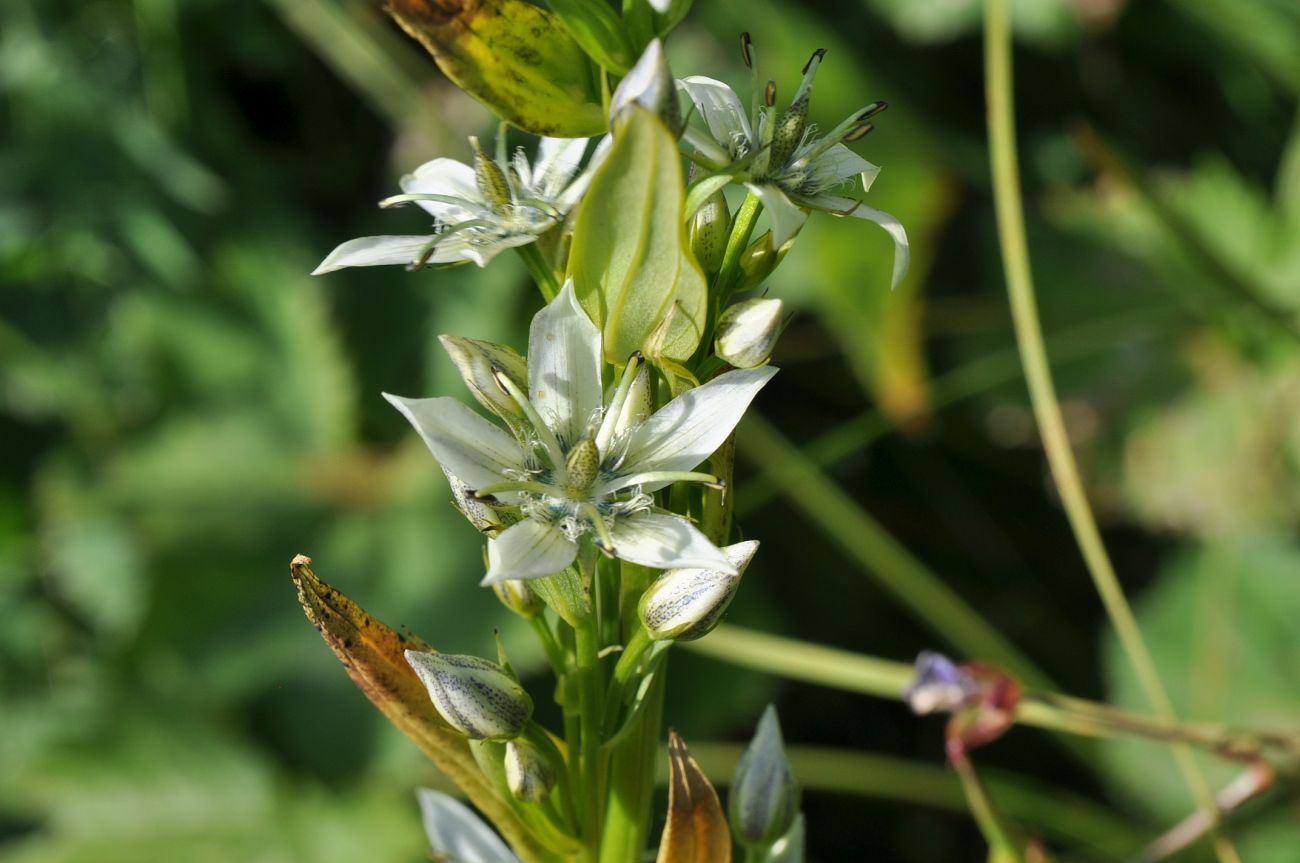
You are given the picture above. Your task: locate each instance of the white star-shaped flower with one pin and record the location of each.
(580, 467)
(478, 211)
(781, 159)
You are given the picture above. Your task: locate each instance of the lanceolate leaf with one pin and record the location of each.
(630, 262)
(514, 57)
(697, 830)
(373, 655)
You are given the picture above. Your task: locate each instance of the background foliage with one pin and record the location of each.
(183, 409)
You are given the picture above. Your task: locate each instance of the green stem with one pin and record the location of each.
(541, 271)
(883, 678)
(742, 227)
(589, 716)
(632, 782)
(846, 524)
(554, 653)
(1042, 392)
(981, 809)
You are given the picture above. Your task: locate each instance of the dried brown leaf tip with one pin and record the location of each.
(697, 830)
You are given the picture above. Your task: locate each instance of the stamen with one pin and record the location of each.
(859, 133)
(815, 58)
(605, 435)
(708, 480)
(873, 109)
(553, 450)
(769, 94)
(485, 494)
(604, 541)
(745, 47)
(403, 200)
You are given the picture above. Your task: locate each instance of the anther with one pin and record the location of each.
(816, 55)
(769, 94)
(873, 109)
(745, 43)
(859, 133)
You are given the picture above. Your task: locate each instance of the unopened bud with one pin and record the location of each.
(939, 685)
(748, 331)
(479, 363)
(764, 798)
(485, 514)
(529, 776)
(476, 697)
(759, 260)
(709, 230)
(517, 596)
(686, 604)
(649, 84)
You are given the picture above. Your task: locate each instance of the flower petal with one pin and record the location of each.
(902, 253)
(452, 179)
(529, 549)
(666, 542)
(557, 161)
(720, 107)
(838, 164)
(462, 441)
(689, 428)
(478, 246)
(374, 251)
(564, 366)
(456, 833)
(786, 216)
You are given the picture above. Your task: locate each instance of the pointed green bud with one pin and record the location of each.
(764, 798)
(529, 775)
(709, 230)
(747, 331)
(517, 596)
(649, 84)
(686, 604)
(479, 363)
(759, 260)
(490, 179)
(476, 697)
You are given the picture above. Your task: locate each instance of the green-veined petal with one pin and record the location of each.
(665, 541)
(529, 549)
(462, 441)
(564, 366)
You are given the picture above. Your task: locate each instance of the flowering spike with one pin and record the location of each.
(764, 798)
(476, 697)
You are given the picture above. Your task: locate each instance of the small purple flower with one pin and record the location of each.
(940, 685)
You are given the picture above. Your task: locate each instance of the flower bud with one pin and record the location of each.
(748, 331)
(709, 229)
(939, 685)
(517, 596)
(475, 696)
(759, 260)
(685, 604)
(529, 776)
(764, 798)
(487, 517)
(479, 363)
(649, 84)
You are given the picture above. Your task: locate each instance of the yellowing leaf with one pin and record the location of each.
(373, 655)
(514, 57)
(696, 831)
(630, 264)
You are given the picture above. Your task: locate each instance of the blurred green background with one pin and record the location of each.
(182, 409)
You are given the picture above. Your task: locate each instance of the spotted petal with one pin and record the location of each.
(720, 107)
(374, 251)
(456, 833)
(564, 366)
(665, 541)
(689, 428)
(529, 549)
(462, 441)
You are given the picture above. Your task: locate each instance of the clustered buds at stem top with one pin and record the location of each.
(475, 696)
(747, 331)
(528, 774)
(686, 604)
(650, 85)
(764, 797)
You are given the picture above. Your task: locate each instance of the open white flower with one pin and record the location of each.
(477, 211)
(580, 467)
(780, 157)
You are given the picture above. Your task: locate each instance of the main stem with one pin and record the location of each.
(1042, 392)
(587, 655)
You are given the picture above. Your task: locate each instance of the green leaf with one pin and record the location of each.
(595, 27)
(630, 262)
